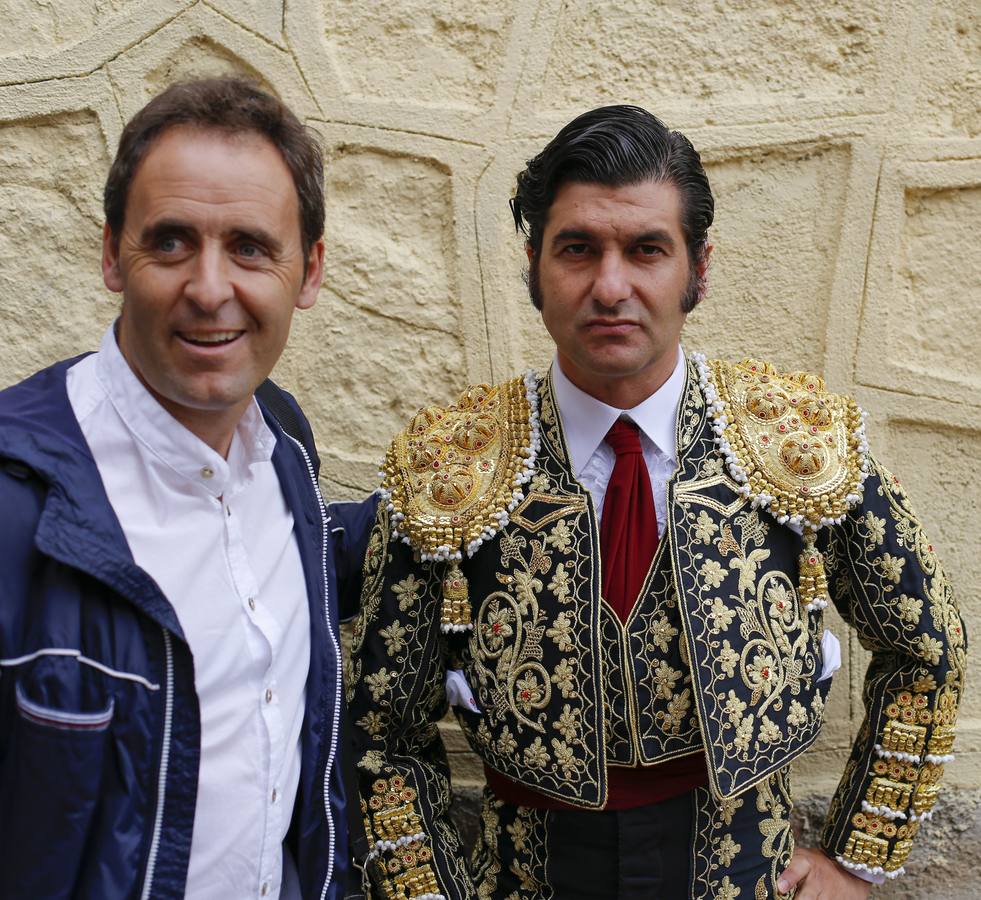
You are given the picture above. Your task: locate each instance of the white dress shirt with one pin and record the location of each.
(217, 537)
(586, 421)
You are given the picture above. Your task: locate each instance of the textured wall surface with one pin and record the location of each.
(843, 141)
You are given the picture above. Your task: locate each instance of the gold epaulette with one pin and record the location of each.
(795, 449)
(453, 476)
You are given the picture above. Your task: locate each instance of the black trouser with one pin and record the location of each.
(634, 854)
(630, 854)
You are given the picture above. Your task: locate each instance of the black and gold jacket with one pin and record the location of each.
(721, 655)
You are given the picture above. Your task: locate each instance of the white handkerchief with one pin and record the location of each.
(831, 652)
(458, 691)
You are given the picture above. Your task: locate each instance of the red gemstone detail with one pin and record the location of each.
(525, 695)
(436, 464)
(496, 628)
(766, 673)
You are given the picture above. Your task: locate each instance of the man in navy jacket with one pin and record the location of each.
(170, 679)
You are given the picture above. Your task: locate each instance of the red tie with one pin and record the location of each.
(628, 533)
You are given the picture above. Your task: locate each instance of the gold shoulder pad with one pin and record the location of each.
(456, 472)
(795, 447)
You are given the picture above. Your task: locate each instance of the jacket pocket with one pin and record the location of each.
(64, 720)
(51, 778)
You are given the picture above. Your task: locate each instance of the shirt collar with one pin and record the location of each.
(586, 420)
(173, 444)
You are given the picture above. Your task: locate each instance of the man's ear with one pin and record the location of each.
(702, 270)
(312, 276)
(111, 274)
(529, 251)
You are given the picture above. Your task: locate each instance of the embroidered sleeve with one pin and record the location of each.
(396, 696)
(886, 581)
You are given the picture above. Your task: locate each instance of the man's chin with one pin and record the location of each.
(206, 396)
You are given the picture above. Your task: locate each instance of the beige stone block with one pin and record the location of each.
(29, 26)
(390, 243)
(778, 217)
(919, 329)
(201, 43)
(446, 53)
(384, 338)
(948, 99)
(199, 57)
(927, 325)
(752, 52)
(53, 302)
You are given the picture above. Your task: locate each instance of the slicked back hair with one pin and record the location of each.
(230, 105)
(616, 146)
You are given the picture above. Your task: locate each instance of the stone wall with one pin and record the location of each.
(842, 141)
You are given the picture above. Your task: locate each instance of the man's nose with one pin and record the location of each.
(612, 284)
(209, 285)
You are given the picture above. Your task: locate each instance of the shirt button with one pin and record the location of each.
(264, 889)
(252, 603)
(268, 695)
(274, 795)
(207, 472)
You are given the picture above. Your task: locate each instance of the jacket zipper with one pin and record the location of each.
(337, 664)
(151, 862)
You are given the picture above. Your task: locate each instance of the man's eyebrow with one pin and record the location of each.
(572, 234)
(651, 236)
(654, 236)
(164, 227)
(258, 236)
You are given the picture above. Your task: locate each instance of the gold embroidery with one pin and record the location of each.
(867, 849)
(795, 448)
(453, 475)
(390, 814)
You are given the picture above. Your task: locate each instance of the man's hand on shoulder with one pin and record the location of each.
(818, 877)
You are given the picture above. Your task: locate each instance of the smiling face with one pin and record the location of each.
(612, 273)
(210, 264)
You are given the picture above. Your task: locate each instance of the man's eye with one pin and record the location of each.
(648, 249)
(169, 244)
(576, 249)
(250, 251)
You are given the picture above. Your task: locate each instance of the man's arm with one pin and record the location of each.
(887, 582)
(397, 695)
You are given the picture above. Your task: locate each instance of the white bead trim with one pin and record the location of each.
(401, 842)
(872, 870)
(717, 409)
(921, 817)
(897, 754)
(939, 760)
(884, 811)
(445, 553)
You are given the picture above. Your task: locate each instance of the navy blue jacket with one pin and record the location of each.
(99, 719)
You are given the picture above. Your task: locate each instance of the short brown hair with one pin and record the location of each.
(225, 104)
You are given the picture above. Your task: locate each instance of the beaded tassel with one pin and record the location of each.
(456, 600)
(813, 586)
